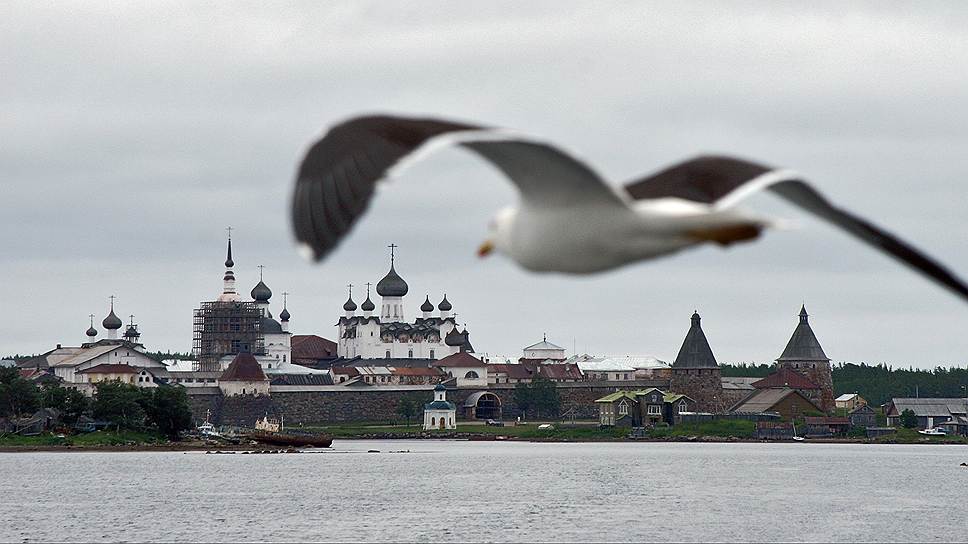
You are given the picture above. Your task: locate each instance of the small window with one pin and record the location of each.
(388, 354)
(623, 409)
(431, 354)
(682, 406)
(655, 410)
(410, 354)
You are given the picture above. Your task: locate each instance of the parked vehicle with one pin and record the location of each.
(494, 423)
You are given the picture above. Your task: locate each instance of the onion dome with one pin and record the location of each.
(349, 305)
(367, 305)
(427, 306)
(454, 338)
(112, 322)
(444, 305)
(392, 285)
(91, 332)
(261, 292)
(284, 315)
(229, 263)
(270, 326)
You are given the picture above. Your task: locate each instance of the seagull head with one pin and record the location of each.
(499, 233)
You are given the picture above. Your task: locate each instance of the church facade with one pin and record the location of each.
(389, 335)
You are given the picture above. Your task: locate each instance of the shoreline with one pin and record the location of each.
(255, 447)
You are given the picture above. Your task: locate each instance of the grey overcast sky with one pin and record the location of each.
(133, 134)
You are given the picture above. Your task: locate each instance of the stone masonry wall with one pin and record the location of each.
(703, 385)
(374, 404)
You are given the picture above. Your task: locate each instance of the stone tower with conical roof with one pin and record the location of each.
(804, 355)
(695, 372)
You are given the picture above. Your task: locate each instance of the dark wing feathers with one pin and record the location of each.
(703, 179)
(337, 177)
(709, 179)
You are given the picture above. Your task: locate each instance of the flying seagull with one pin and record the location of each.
(568, 219)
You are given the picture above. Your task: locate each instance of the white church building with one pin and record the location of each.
(389, 335)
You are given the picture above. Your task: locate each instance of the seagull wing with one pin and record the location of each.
(339, 173)
(721, 182)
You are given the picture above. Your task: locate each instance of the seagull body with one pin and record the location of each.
(568, 219)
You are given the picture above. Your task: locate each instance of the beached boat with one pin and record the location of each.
(272, 431)
(934, 432)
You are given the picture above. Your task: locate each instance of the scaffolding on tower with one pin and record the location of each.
(225, 328)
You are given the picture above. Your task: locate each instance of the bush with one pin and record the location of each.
(909, 419)
(17, 395)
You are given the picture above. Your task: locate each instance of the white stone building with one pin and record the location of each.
(433, 335)
(440, 414)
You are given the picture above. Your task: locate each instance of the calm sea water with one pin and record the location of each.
(493, 491)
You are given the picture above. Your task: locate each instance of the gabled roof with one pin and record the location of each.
(460, 359)
(803, 345)
(763, 400)
(244, 368)
(846, 397)
(929, 407)
(785, 377)
(618, 395)
(544, 344)
(695, 351)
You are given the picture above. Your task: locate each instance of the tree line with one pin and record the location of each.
(123, 406)
(878, 383)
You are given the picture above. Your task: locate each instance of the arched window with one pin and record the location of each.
(471, 375)
(431, 354)
(410, 354)
(682, 406)
(433, 421)
(388, 354)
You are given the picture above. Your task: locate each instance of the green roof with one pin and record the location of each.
(617, 395)
(672, 397)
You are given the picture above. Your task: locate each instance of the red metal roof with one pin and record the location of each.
(460, 359)
(111, 369)
(785, 377)
(310, 346)
(244, 368)
(347, 370)
(518, 372)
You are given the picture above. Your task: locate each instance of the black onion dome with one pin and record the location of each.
(444, 305)
(392, 285)
(349, 305)
(91, 331)
(454, 338)
(270, 326)
(112, 322)
(367, 305)
(284, 315)
(229, 263)
(261, 292)
(427, 306)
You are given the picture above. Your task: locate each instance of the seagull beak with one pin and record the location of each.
(486, 248)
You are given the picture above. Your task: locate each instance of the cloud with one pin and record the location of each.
(134, 134)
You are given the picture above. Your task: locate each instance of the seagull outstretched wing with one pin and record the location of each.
(721, 182)
(337, 177)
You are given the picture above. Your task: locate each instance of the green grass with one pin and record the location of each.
(724, 428)
(912, 436)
